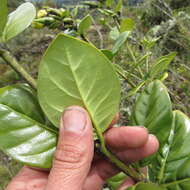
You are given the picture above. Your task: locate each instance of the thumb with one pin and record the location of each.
(74, 152)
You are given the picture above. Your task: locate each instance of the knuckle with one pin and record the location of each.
(70, 156)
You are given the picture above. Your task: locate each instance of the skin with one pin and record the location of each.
(76, 166)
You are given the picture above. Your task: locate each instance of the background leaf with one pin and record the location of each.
(153, 110)
(120, 41)
(23, 135)
(127, 25)
(74, 72)
(161, 64)
(85, 24)
(145, 186)
(3, 15)
(108, 54)
(116, 180)
(19, 20)
(172, 168)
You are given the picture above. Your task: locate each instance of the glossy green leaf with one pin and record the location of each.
(73, 72)
(3, 15)
(146, 186)
(153, 110)
(120, 41)
(116, 181)
(127, 25)
(161, 64)
(19, 20)
(23, 100)
(172, 169)
(85, 24)
(23, 135)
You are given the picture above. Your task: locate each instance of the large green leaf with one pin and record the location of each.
(173, 168)
(23, 100)
(153, 110)
(23, 135)
(145, 186)
(73, 72)
(3, 15)
(19, 20)
(85, 24)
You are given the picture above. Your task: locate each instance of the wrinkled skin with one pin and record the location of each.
(75, 166)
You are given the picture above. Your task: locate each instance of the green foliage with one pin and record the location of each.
(77, 73)
(23, 133)
(161, 64)
(172, 166)
(78, 86)
(147, 186)
(153, 110)
(85, 24)
(18, 21)
(120, 41)
(3, 15)
(127, 25)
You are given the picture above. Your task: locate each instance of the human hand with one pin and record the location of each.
(75, 167)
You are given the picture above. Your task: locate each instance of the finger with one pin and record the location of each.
(127, 183)
(133, 155)
(101, 170)
(121, 138)
(74, 152)
(29, 178)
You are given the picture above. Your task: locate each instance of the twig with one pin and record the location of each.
(128, 170)
(99, 33)
(12, 62)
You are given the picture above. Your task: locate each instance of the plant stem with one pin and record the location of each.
(134, 60)
(128, 170)
(11, 61)
(127, 79)
(99, 33)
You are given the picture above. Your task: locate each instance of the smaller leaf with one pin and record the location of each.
(85, 24)
(108, 54)
(116, 181)
(3, 15)
(161, 64)
(146, 186)
(119, 6)
(114, 33)
(109, 3)
(127, 25)
(120, 41)
(19, 20)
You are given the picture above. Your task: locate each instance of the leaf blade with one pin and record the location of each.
(18, 21)
(78, 85)
(3, 15)
(23, 133)
(154, 111)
